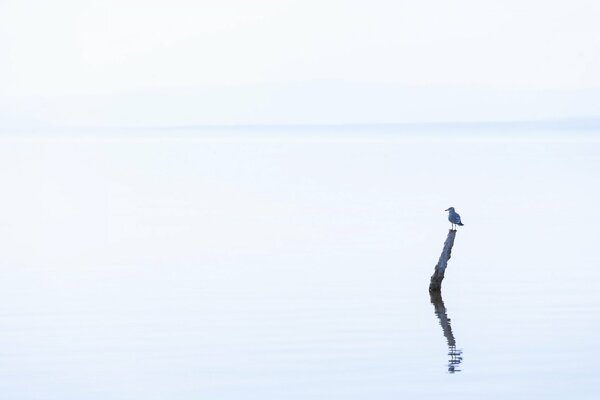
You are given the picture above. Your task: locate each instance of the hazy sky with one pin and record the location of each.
(53, 49)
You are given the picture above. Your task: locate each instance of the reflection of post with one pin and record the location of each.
(440, 310)
(438, 274)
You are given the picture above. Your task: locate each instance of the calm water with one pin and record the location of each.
(295, 265)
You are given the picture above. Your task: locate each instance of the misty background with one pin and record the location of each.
(152, 63)
(245, 199)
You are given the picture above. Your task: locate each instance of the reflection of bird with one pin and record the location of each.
(454, 218)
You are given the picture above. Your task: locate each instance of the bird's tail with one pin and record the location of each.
(460, 224)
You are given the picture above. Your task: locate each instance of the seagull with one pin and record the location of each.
(454, 218)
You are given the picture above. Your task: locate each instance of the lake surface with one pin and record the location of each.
(295, 265)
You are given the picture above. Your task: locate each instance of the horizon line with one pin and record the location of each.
(578, 123)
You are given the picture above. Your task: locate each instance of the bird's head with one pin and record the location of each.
(450, 209)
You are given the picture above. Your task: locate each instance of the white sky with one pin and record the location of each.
(84, 47)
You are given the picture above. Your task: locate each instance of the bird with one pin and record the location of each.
(454, 218)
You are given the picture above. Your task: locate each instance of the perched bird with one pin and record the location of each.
(454, 218)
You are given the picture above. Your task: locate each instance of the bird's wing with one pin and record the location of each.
(454, 218)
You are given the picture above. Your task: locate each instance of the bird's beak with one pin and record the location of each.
(446, 209)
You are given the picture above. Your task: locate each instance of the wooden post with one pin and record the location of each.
(438, 274)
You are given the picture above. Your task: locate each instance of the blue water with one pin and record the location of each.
(287, 265)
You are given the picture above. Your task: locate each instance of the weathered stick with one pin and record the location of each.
(435, 284)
